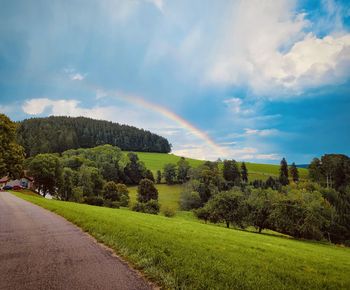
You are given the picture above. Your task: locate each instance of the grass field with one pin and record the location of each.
(168, 195)
(156, 161)
(179, 253)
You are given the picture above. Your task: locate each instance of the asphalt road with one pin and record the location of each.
(41, 250)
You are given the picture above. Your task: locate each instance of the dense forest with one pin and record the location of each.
(58, 134)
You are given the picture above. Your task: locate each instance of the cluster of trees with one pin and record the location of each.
(286, 175)
(11, 154)
(58, 134)
(296, 211)
(332, 172)
(207, 180)
(318, 209)
(96, 175)
(175, 173)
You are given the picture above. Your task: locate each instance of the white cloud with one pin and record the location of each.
(77, 77)
(265, 47)
(101, 94)
(159, 4)
(261, 133)
(236, 106)
(272, 156)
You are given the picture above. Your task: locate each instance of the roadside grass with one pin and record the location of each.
(180, 253)
(168, 195)
(156, 161)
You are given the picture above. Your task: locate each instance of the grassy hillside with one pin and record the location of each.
(183, 254)
(169, 195)
(156, 161)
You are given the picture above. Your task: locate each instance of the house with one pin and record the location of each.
(25, 181)
(3, 181)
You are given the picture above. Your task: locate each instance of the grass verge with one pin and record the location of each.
(184, 254)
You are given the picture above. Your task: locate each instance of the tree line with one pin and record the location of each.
(58, 134)
(97, 176)
(303, 209)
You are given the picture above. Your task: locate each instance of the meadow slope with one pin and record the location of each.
(183, 254)
(156, 161)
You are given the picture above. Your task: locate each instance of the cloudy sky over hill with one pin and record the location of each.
(251, 80)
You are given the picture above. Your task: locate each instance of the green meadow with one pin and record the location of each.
(156, 161)
(181, 253)
(168, 195)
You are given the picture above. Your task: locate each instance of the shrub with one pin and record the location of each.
(190, 200)
(169, 212)
(112, 204)
(94, 200)
(151, 207)
(146, 191)
(202, 213)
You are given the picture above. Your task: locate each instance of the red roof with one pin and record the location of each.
(4, 179)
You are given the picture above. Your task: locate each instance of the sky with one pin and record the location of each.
(247, 80)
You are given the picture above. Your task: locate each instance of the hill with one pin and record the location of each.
(180, 253)
(58, 134)
(156, 161)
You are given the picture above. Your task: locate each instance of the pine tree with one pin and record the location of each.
(244, 172)
(283, 178)
(159, 176)
(293, 170)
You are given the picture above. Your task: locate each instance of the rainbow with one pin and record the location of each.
(174, 117)
(136, 100)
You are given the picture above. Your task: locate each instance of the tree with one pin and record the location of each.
(11, 154)
(260, 205)
(146, 191)
(147, 197)
(231, 172)
(302, 214)
(135, 170)
(90, 180)
(66, 186)
(46, 171)
(294, 173)
(228, 207)
(110, 191)
(244, 172)
(149, 175)
(159, 176)
(190, 200)
(182, 170)
(315, 170)
(283, 178)
(332, 171)
(272, 183)
(116, 193)
(169, 173)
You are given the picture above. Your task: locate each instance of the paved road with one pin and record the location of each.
(40, 250)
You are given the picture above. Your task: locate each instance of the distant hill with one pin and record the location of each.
(303, 165)
(156, 161)
(57, 134)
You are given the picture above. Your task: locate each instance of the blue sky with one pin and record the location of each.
(261, 79)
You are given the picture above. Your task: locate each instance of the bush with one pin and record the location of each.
(112, 204)
(94, 200)
(169, 212)
(151, 207)
(202, 213)
(190, 200)
(146, 191)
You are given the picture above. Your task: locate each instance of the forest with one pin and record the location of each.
(58, 134)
